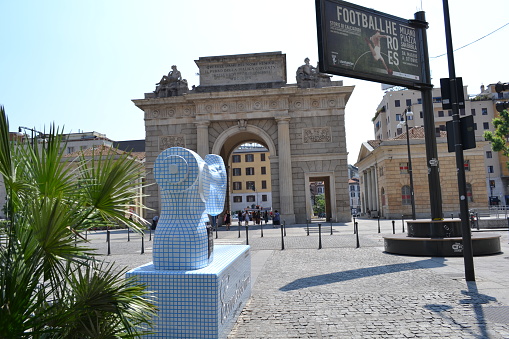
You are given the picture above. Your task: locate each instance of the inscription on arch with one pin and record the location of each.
(168, 141)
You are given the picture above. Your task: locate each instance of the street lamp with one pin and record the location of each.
(409, 114)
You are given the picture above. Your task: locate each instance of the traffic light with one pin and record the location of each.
(502, 106)
(500, 87)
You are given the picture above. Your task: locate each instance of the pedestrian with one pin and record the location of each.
(155, 219)
(227, 220)
(276, 219)
(266, 217)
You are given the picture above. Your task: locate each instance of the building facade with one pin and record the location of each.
(385, 181)
(250, 180)
(394, 105)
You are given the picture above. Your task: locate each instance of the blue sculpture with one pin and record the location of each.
(190, 188)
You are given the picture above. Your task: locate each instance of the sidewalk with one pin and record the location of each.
(341, 291)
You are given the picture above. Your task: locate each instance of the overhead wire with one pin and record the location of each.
(457, 49)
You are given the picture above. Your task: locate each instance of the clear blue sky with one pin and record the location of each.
(80, 63)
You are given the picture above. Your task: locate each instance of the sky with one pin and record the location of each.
(79, 64)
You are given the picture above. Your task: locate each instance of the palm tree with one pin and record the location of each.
(51, 286)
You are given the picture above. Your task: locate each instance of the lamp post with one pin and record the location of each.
(408, 114)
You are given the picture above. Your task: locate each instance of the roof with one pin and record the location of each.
(130, 145)
(103, 150)
(416, 133)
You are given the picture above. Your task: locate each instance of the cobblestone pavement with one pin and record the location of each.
(341, 291)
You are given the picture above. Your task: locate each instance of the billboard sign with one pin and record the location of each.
(362, 43)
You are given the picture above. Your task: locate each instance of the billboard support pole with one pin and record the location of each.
(435, 190)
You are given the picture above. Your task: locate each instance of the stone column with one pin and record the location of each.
(285, 170)
(374, 190)
(202, 138)
(369, 198)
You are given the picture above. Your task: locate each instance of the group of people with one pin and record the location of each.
(243, 216)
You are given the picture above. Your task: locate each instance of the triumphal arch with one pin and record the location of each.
(246, 98)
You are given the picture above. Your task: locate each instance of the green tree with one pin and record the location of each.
(319, 206)
(51, 286)
(499, 136)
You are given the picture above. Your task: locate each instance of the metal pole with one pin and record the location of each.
(379, 223)
(239, 229)
(128, 235)
(393, 227)
(357, 234)
(108, 241)
(282, 240)
(410, 170)
(403, 223)
(143, 244)
(261, 228)
(331, 228)
(429, 121)
(150, 234)
(319, 236)
(458, 147)
(284, 226)
(247, 235)
(307, 226)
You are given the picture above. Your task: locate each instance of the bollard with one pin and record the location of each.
(86, 234)
(319, 236)
(150, 234)
(282, 240)
(108, 241)
(393, 227)
(452, 215)
(128, 235)
(378, 223)
(284, 226)
(354, 228)
(307, 226)
(403, 223)
(261, 229)
(357, 234)
(247, 235)
(216, 230)
(331, 228)
(239, 229)
(142, 243)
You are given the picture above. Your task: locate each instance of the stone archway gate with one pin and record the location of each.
(246, 98)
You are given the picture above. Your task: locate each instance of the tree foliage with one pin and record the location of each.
(51, 285)
(499, 136)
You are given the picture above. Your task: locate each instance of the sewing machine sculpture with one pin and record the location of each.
(199, 290)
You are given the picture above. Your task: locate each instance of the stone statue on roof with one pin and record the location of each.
(171, 85)
(309, 76)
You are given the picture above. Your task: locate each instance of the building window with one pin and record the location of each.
(409, 102)
(250, 185)
(237, 171)
(472, 111)
(462, 111)
(406, 198)
(397, 103)
(264, 170)
(398, 117)
(70, 149)
(421, 115)
(419, 101)
(262, 156)
(264, 184)
(466, 164)
(250, 198)
(383, 196)
(320, 190)
(236, 158)
(489, 155)
(475, 126)
(249, 170)
(490, 169)
(249, 157)
(264, 197)
(237, 199)
(442, 127)
(470, 196)
(440, 114)
(485, 125)
(237, 185)
(449, 113)
(403, 167)
(484, 111)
